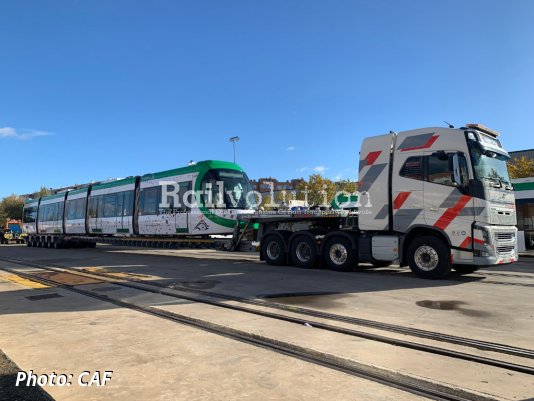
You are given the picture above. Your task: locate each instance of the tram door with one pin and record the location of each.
(184, 208)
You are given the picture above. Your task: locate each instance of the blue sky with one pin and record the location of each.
(97, 89)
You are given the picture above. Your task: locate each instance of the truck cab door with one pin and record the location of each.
(447, 205)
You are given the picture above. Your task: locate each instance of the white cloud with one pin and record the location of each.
(289, 149)
(320, 169)
(302, 169)
(21, 134)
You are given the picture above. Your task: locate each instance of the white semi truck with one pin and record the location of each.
(433, 199)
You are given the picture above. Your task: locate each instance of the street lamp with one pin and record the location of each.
(234, 139)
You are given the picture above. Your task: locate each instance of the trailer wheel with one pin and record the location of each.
(339, 255)
(273, 250)
(55, 243)
(429, 257)
(465, 269)
(304, 252)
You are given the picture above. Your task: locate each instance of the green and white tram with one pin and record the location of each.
(201, 199)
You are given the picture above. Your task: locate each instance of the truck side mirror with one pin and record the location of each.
(457, 177)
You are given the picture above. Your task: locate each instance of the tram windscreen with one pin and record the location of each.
(232, 185)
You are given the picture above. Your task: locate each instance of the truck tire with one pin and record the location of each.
(304, 252)
(465, 269)
(429, 257)
(339, 255)
(272, 249)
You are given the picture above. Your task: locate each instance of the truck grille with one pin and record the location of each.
(504, 237)
(505, 249)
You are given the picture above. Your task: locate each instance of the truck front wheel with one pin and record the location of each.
(339, 255)
(429, 257)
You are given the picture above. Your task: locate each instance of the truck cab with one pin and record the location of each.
(442, 195)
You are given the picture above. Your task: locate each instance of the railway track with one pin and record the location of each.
(162, 289)
(406, 383)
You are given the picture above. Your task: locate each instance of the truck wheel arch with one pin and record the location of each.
(417, 231)
(349, 237)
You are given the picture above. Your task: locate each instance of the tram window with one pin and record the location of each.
(93, 207)
(170, 198)
(127, 208)
(80, 208)
(50, 212)
(100, 208)
(149, 200)
(119, 210)
(44, 216)
(76, 209)
(41, 213)
(60, 210)
(110, 202)
(96, 206)
(71, 209)
(185, 202)
(30, 214)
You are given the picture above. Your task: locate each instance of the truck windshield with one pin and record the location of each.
(490, 166)
(235, 185)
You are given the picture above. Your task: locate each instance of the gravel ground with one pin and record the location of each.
(8, 391)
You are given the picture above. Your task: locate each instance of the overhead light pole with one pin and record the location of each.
(234, 139)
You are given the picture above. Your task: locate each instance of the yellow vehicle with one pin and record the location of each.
(13, 233)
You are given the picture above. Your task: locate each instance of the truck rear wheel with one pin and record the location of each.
(429, 257)
(304, 252)
(272, 249)
(339, 255)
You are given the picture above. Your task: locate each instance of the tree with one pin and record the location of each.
(41, 192)
(11, 208)
(346, 186)
(279, 199)
(317, 187)
(521, 168)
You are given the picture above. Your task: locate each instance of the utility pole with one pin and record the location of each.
(234, 139)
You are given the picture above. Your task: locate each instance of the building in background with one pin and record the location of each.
(262, 185)
(524, 202)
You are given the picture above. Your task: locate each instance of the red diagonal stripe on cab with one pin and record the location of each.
(428, 144)
(372, 156)
(451, 213)
(399, 199)
(466, 242)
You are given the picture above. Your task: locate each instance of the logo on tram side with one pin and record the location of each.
(201, 226)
